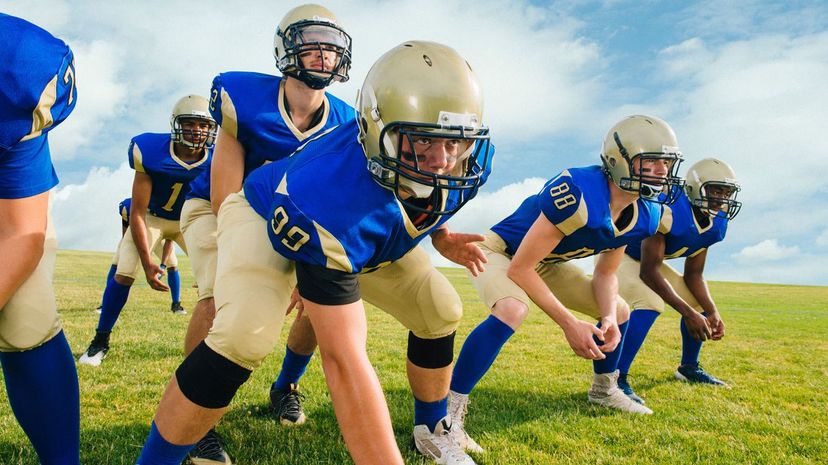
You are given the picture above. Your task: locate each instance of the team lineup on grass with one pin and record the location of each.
(289, 201)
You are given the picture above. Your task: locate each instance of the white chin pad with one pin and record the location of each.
(415, 189)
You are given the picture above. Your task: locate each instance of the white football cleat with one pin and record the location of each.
(93, 356)
(439, 445)
(605, 392)
(458, 406)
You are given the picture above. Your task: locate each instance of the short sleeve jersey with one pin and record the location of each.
(683, 236)
(577, 202)
(250, 106)
(37, 92)
(124, 208)
(324, 208)
(153, 154)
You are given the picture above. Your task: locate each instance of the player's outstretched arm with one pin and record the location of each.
(227, 170)
(652, 257)
(460, 248)
(357, 396)
(22, 233)
(605, 290)
(542, 237)
(694, 278)
(141, 190)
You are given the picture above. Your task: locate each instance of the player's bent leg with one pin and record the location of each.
(641, 320)
(285, 398)
(194, 401)
(690, 370)
(200, 322)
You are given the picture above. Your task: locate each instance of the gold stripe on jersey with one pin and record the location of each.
(229, 120)
(333, 250)
(676, 254)
(665, 225)
(289, 122)
(696, 222)
(42, 114)
(184, 164)
(577, 221)
(137, 159)
(282, 188)
(697, 252)
(630, 225)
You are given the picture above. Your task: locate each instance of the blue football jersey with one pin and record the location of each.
(324, 208)
(153, 154)
(37, 92)
(250, 106)
(683, 236)
(124, 209)
(577, 202)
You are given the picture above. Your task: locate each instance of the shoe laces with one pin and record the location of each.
(446, 443)
(458, 409)
(290, 403)
(210, 445)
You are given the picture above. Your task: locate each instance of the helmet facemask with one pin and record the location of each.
(650, 187)
(316, 37)
(404, 174)
(719, 198)
(194, 139)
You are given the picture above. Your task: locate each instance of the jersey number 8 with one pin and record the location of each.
(562, 202)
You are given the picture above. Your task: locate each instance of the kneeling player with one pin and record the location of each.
(578, 213)
(347, 232)
(697, 220)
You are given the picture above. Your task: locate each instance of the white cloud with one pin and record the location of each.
(822, 239)
(86, 215)
(767, 251)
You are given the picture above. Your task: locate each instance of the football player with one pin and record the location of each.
(169, 262)
(312, 51)
(164, 165)
(338, 231)
(37, 92)
(697, 220)
(578, 213)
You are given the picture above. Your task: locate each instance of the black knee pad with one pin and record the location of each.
(431, 353)
(209, 380)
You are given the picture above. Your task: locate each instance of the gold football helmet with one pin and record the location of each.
(306, 29)
(712, 186)
(641, 137)
(420, 91)
(192, 107)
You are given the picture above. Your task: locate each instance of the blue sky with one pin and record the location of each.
(743, 81)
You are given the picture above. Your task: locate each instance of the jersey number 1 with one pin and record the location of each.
(176, 191)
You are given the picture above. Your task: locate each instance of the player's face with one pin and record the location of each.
(321, 48)
(434, 155)
(653, 168)
(716, 195)
(196, 130)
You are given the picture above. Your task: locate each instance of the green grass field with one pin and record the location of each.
(530, 409)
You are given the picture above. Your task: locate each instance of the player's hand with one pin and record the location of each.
(461, 249)
(295, 302)
(697, 326)
(154, 274)
(579, 336)
(717, 326)
(612, 334)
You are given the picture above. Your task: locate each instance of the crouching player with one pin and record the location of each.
(340, 231)
(697, 220)
(37, 92)
(169, 262)
(578, 213)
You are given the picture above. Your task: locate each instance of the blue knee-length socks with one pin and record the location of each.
(690, 346)
(174, 282)
(610, 363)
(479, 353)
(159, 451)
(114, 299)
(293, 367)
(641, 320)
(42, 386)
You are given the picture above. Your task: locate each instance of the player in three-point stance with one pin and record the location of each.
(697, 220)
(164, 165)
(347, 232)
(37, 92)
(578, 213)
(312, 51)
